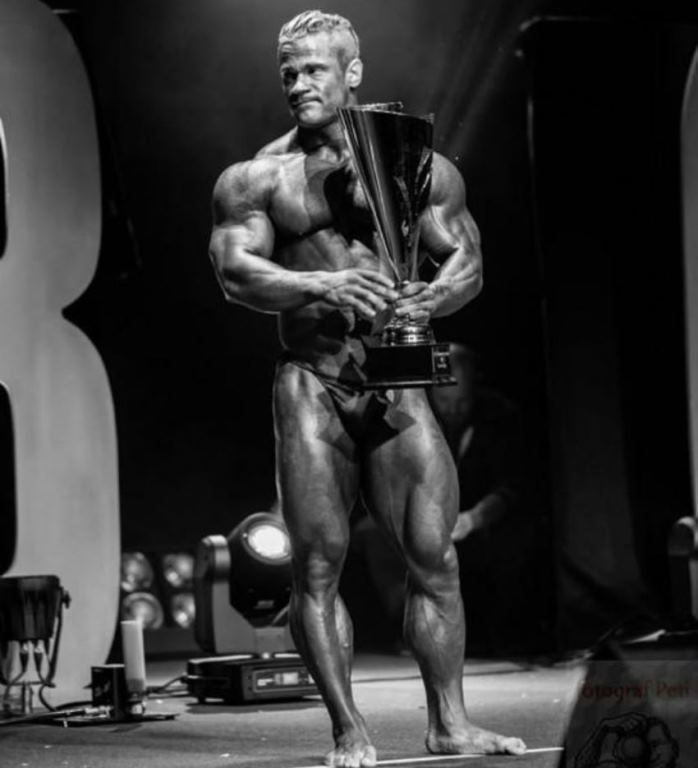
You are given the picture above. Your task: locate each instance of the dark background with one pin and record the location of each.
(582, 307)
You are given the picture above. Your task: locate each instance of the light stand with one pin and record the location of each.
(31, 612)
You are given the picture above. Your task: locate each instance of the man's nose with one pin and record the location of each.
(300, 85)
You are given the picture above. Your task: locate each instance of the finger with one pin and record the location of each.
(377, 291)
(376, 277)
(368, 296)
(415, 311)
(412, 289)
(426, 298)
(407, 307)
(423, 297)
(385, 294)
(362, 308)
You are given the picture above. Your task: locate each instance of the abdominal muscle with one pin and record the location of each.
(325, 337)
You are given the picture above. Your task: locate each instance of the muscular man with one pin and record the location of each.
(293, 235)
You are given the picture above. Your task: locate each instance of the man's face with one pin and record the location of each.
(313, 80)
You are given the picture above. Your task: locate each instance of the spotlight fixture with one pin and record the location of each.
(136, 572)
(267, 540)
(242, 585)
(260, 565)
(144, 607)
(157, 589)
(137, 584)
(31, 618)
(178, 569)
(182, 609)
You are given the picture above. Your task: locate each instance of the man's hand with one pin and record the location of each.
(363, 290)
(486, 512)
(417, 301)
(465, 525)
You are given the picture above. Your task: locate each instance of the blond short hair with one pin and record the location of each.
(314, 22)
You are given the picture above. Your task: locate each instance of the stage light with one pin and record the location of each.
(242, 586)
(136, 572)
(182, 609)
(268, 541)
(31, 614)
(144, 607)
(156, 588)
(178, 569)
(260, 565)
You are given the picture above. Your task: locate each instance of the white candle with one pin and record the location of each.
(134, 657)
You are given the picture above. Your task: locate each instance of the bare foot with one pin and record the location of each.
(352, 751)
(474, 740)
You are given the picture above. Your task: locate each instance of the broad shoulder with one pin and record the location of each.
(251, 183)
(246, 185)
(247, 176)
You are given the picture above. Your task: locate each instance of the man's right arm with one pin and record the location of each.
(242, 245)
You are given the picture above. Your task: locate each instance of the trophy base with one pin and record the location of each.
(408, 365)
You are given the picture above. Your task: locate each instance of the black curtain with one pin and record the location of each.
(605, 99)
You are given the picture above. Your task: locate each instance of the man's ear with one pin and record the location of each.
(354, 73)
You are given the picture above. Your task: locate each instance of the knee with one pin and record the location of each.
(317, 565)
(434, 569)
(430, 548)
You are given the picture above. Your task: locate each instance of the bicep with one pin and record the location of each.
(241, 224)
(447, 226)
(232, 240)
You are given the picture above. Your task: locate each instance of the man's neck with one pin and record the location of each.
(328, 138)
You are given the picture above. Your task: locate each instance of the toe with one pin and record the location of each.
(514, 746)
(369, 757)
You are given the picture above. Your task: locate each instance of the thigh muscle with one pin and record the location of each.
(317, 473)
(411, 485)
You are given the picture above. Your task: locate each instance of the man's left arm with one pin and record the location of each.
(452, 240)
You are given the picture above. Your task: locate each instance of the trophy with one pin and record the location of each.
(392, 153)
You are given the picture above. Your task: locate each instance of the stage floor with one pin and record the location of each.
(530, 700)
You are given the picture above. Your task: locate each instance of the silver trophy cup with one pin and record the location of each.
(392, 154)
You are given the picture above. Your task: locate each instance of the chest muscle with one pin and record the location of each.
(313, 196)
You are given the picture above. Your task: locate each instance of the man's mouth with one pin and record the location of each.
(303, 103)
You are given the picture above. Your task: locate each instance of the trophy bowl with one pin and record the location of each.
(392, 154)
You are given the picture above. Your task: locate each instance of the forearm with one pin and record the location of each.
(458, 281)
(450, 236)
(263, 285)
